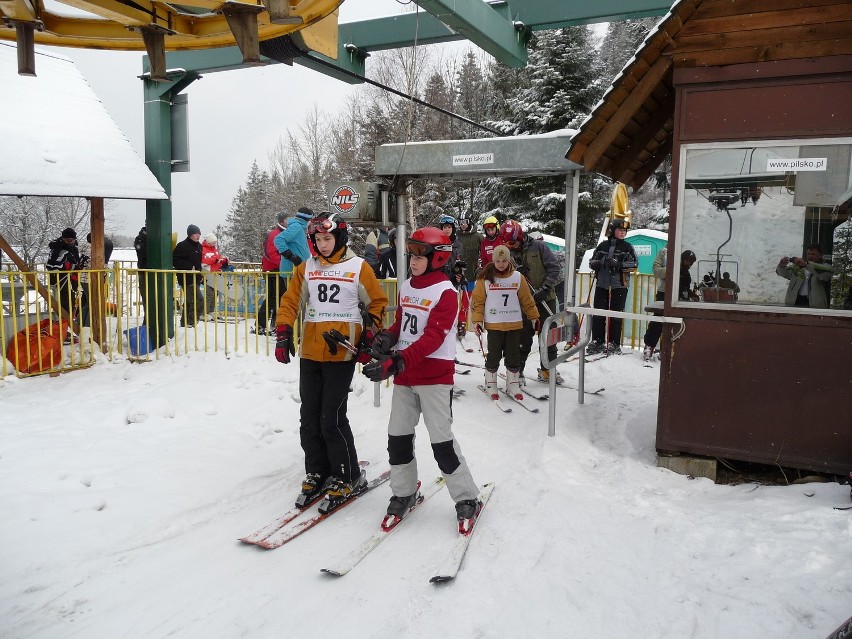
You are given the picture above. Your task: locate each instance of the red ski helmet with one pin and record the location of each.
(433, 243)
(511, 233)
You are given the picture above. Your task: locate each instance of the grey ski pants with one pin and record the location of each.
(435, 402)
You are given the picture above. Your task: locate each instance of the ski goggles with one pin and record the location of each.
(324, 225)
(422, 249)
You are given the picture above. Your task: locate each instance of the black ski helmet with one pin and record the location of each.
(332, 223)
(617, 224)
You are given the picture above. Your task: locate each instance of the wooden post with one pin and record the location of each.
(97, 288)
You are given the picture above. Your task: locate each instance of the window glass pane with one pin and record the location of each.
(769, 222)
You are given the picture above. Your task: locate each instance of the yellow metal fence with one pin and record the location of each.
(53, 324)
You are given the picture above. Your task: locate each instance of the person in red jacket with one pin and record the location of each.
(423, 363)
(491, 228)
(275, 285)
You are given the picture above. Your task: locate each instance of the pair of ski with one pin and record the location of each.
(451, 566)
(279, 532)
(526, 403)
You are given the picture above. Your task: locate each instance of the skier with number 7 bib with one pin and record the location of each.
(419, 350)
(331, 289)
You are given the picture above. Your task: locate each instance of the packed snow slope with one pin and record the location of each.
(124, 489)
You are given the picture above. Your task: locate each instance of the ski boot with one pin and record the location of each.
(613, 349)
(338, 491)
(593, 348)
(648, 353)
(544, 377)
(398, 508)
(467, 511)
(461, 330)
(513, 387)
(313, 486)
(491, 384)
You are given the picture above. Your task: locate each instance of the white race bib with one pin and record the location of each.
(415, 305)
(332, 291)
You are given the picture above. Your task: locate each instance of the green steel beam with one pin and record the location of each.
(490, 25)
(229, 58)
(549, 14)
(489, 29)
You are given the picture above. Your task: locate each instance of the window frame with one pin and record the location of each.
(677, 303)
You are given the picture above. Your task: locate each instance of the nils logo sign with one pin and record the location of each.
(345, 199)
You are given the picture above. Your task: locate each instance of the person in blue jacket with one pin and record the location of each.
(292, 242)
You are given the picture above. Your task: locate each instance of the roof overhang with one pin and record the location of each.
(59, 140)
(542, 154)
(631, 130)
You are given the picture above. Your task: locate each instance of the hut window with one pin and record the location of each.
(746, 208)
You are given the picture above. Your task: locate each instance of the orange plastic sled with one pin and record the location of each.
(38, 347)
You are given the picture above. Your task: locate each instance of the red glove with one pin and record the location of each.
(378, 371)
(284, 345)
(364, 344)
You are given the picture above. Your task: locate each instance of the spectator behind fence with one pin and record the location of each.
(86, 263)
(61, 265)
(187, 257)
(140, 244)
(270, 263)
(292, 242)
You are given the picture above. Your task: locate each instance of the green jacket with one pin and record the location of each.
(538, 263)
(470, 253)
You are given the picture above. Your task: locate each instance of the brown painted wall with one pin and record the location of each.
(769, 388)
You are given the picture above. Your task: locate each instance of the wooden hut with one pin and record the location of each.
(753, 100)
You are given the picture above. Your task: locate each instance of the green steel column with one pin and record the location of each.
(158, 213)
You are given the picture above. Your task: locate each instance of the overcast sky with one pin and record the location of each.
(235, 117)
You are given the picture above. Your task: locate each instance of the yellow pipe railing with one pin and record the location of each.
(222, 318)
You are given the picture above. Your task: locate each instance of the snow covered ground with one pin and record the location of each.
(124, 488)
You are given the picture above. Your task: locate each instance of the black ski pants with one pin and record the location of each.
(612, 299)
(276, 286)
(655, 329)
(325, 432)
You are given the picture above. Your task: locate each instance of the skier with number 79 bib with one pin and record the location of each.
(419, 350)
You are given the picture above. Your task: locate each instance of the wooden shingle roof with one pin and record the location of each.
(630, 131)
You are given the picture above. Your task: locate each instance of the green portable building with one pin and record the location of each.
(646, 243)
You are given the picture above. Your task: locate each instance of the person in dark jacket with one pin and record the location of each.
(612, 261)
(536, 262)
(85, 263)
(62, 263)
(140, 244)
(187, 257)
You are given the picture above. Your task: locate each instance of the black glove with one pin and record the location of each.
(381, 370)
(540, 294)
(612, 262)
(284, 345)
(459, 266)
(295, 259)
(523, 269)
(383, 343)
(595, 265)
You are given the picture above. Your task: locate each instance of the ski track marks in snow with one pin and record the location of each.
(582, 524)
